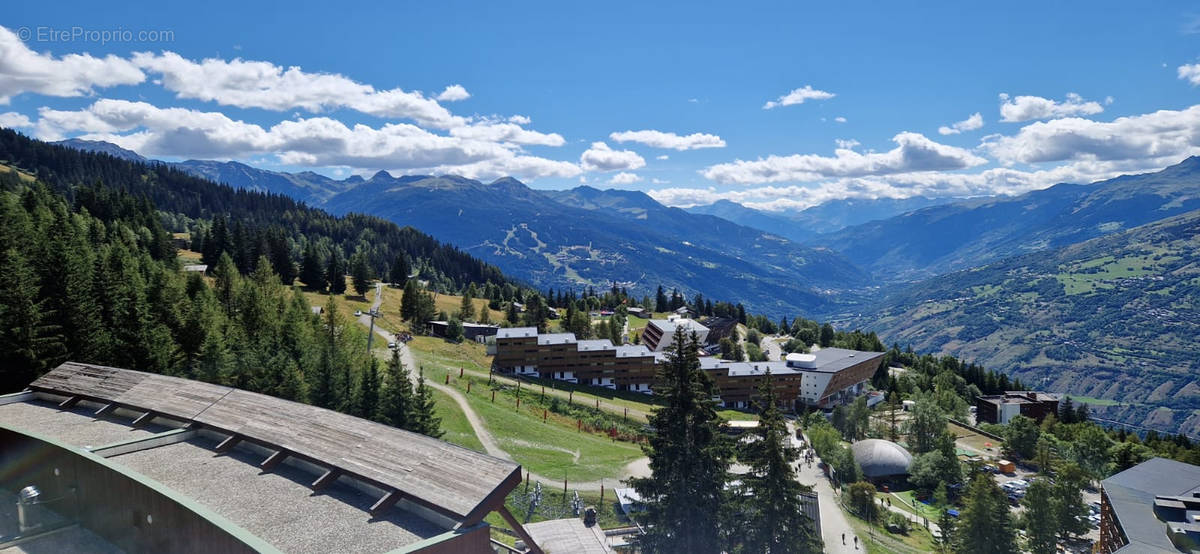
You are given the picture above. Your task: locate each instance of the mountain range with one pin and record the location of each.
(1114, 319)
(834, 215)
(1085, 289)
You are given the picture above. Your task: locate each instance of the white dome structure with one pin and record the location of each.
(879, 458)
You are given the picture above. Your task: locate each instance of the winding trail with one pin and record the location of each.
(636, 468)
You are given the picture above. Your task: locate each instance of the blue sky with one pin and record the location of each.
(1093, 90)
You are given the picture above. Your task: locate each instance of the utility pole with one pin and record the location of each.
(371, 334)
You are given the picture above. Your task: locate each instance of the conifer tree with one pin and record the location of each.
(466, 310)
(396, 401)
(410, 302)
(986, 524)
(772, 519)
(335, 272)
(1039, 519)
(312, 271)
(360, 273)
(424, 418)
(368, 391)
(485, 316)
(687, 506)
(26, 338)
(399, 271)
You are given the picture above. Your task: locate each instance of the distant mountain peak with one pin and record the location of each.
(102, 147)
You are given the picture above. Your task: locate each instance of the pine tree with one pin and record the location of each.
(772, 521)
(399, 271)
(466, 310)
(485, 316)
(410, 302)
(424, 418)
(26, 338)
(360, 273)
(986, 524)
(396, 401)
(511, 315)
(312, 271)
(1039, 519)
(689, 457)
(335, 273)
(368, 391)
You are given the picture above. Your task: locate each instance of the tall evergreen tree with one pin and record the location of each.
(986, 524)
(772, 520)
(1039, 519)
(367, 404)
(399, 271)
(424, 418)
(687, 507)
(360, 273)
(312, 270)
(26, 337)
(466, 309)
(410, 302)
(335, 272)
(396, 400)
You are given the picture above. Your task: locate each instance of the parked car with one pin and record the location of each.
(392, 345)
(357, 313)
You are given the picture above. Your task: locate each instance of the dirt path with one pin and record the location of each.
(636, 468)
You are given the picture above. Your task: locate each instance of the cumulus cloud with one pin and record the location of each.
(1027, 108)
(913, 152)
(602, 158)
(1160, 134)
(23, 70)
(507, 133)
(317, 142)
(798, 96)
(659, 139)
(1190, 73)
(839, 119)
(846, 144)
(968, 124)
(257, 84)
(13, 120)
(453, 93)
(624, 178)
(662, 157)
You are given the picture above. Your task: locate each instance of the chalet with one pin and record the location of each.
(121, 460)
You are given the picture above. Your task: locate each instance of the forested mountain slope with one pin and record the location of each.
(1116, 318)
(939, 239)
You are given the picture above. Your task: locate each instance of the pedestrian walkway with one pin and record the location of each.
(834, 525)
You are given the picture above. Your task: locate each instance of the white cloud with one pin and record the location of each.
(658, 181)
(13, 120)
(453, 93)
(624, 178)
(23, 70)
(798, 96)
(257, 84)
(971, 123)
(1190, 73)
(316, 142)
(1160, 134)
(520, 120)
(507, 133)
(839, 119)
(662, 157)
(659, 139)
(846, 144)
(1026, 108)
(914, 152)
(602, 158)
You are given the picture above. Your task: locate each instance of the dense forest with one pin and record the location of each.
(97, 281)
(255, 224)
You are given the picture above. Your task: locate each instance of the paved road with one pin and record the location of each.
(772, 347)
(833, 520)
